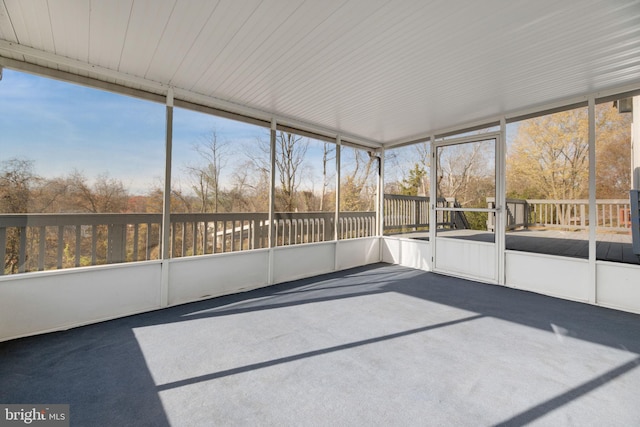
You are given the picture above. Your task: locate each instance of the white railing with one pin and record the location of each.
(611, 214)
(37, 242)
(405, 212)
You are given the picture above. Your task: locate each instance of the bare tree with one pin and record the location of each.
(206, 175)
(327, 150)
(290, 155)
(17, 179)
(104, 195)
(466, 173)
(250, 188)
(423, 150)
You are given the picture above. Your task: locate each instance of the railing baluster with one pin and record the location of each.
(194, 232)
(610, 214)
(135, 241)
(545, 214)
(255, 235)
(146, 242)
(304, 231)
(205, 240)
(94, 243)
(224, 236)
(60, 245)
(109, 254)
(78, 241)
(287, 229)
(42, 239)
(214, 237)
(233, 236)
(184, 239)
(22, 250)
(293, 231)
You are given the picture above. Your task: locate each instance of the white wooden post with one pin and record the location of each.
(272, 197)
(593, 294)
(166, 203)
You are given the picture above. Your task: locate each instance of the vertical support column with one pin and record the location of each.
(336, 218)
(593, 291)
(166, 203)
(380, 205)
(433, 194)
(380, 195)
(336, 221)
(272, 197)
(501, 201)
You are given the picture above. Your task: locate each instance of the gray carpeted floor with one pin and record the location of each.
(378, 345)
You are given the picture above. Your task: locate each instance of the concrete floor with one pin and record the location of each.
(378, 345)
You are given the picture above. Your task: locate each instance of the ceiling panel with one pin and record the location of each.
(223, 25)
(108, 24)
(7, 31)
(70, 28)
(281, 48)
(145, 27)
(186, 22)
(31, 24)
(382, 70)
(307, 54)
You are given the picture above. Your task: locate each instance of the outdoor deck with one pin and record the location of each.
(376, 345)
(613, 247)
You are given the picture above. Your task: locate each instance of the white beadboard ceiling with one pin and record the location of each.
(381, 71)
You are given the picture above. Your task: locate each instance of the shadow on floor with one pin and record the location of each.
(101, 372)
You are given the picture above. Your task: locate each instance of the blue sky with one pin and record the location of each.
(63, 127)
